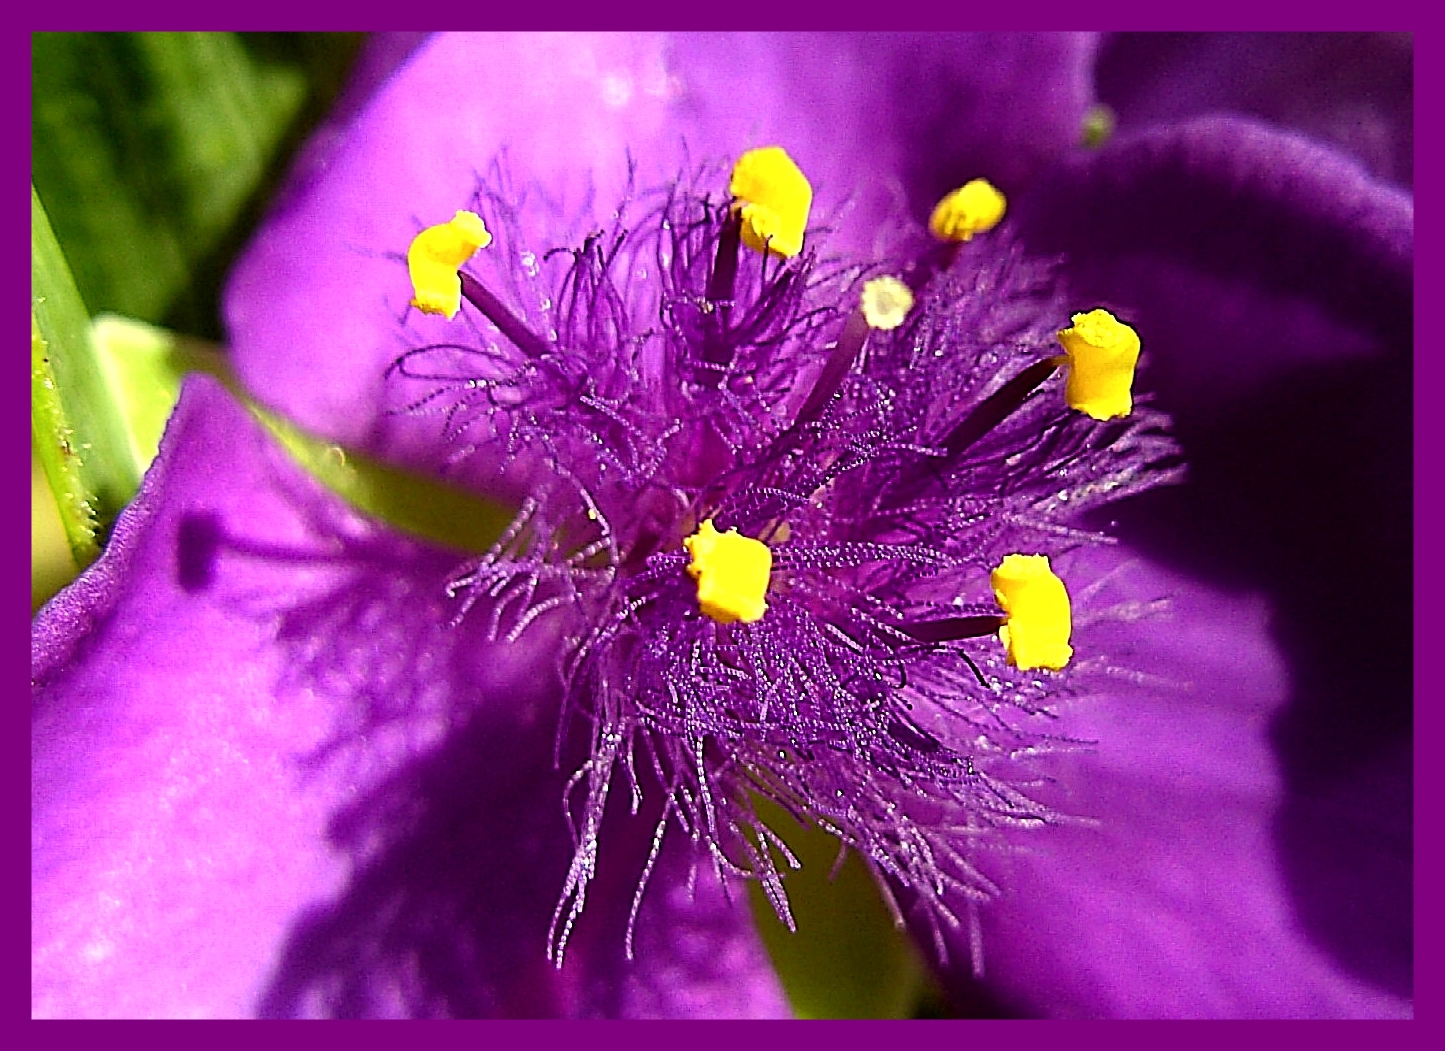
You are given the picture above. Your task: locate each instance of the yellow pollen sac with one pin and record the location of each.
(773, 199)
(732, 573)
(886, 301)
(974, 208)
(1102, 353)
(434, 256)
(1036, 634)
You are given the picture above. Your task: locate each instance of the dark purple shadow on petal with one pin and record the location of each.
(446, 914)
(1307, 498)
(375, 633)
(1300, 478)
(460, 853)
(198, 541)
(459, 862)
(425, 751)
(139, 660)
(1353, 91)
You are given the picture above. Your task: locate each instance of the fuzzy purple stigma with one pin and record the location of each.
(769, 494)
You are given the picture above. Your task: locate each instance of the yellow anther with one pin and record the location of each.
(773, 199)
(434, 256)
(1036, 634)
(732, 573)
(974, 208)
(886, 301)
(1102, 353)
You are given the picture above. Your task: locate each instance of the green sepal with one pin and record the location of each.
(847, 958)
(143, 366)
(155, 154)
(52, 563)
(415, 504)
(147, 365)
(75, 423)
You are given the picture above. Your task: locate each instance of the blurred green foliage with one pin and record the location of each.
(154, 154)
(152, 158)
(846, 959)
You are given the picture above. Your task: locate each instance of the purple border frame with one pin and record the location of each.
(1429, 431)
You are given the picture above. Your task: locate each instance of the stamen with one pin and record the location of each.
(840, 360)
(951, 629)
(1036, 634)
(986, 415)
(732, 573)
(774, 198)
(974, 208)
(1102, 352)
(721, 284)
(433, 259)
(721, 281)
(994, 409)
(495, 311)
(845, 352)
(886, 301)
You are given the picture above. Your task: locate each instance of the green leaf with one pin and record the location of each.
(847, 959)
(75, 425)
(52, 565)
(147, 364)
(413, 503)
(154, 153)
(144, 366)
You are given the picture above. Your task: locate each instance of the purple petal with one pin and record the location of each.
(381, 55)
(1271, 280)
(882, 123)
(1243, 253)
(922, 112)
(268, 775)
(1177, 904)
(1352, 91)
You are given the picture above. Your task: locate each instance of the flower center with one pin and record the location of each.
(769, 211)
(877, 438)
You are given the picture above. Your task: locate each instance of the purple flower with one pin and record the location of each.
(274, 771)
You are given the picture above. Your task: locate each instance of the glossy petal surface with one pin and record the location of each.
(1274, 280)
(292, 744)
(882, 124)
(268, 775)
